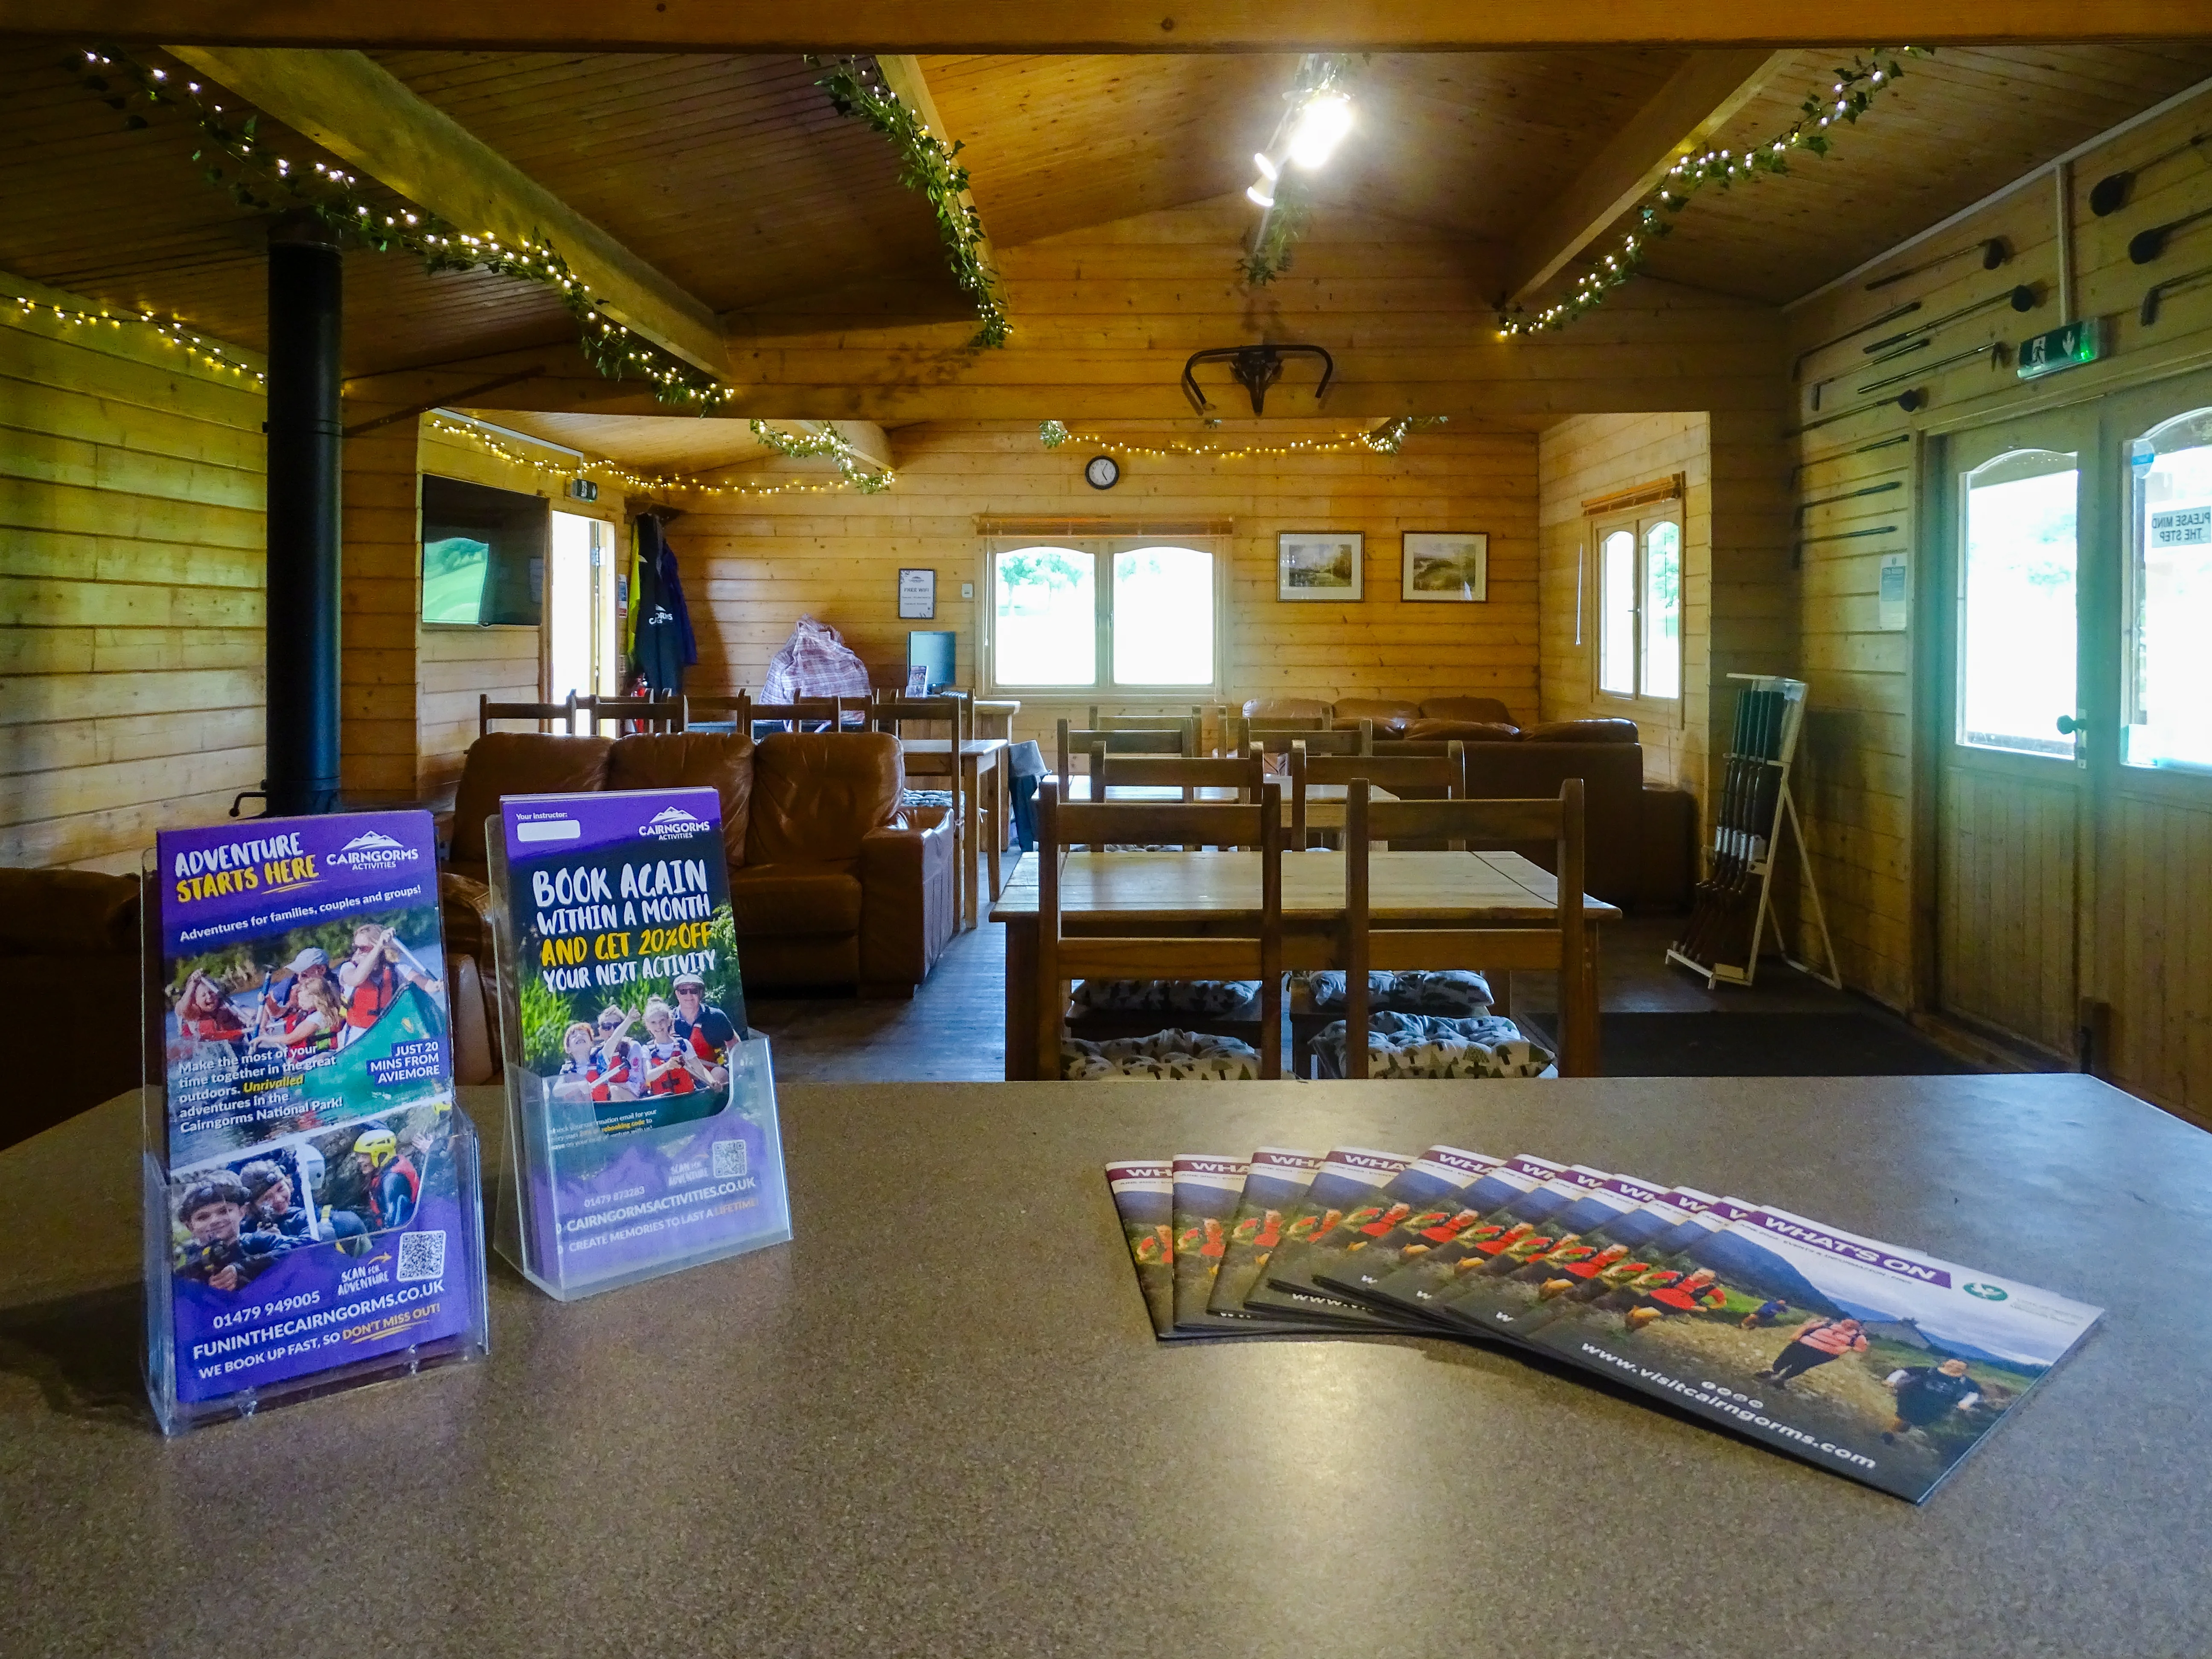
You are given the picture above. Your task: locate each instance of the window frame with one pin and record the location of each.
(1639, 523)
(1103, 549)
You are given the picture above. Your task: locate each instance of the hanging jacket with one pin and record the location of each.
(663, 646)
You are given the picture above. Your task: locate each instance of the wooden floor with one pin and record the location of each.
(954, 1030)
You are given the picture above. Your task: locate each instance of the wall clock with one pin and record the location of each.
(1102, 472)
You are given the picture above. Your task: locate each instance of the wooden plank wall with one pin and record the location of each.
(131, 578)
(2153, 902)
(1593, 455)
(751, 569)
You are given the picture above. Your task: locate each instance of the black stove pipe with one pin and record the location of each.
(304, 290)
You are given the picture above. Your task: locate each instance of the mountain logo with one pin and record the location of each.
(373, 849)
(672, 821)
(1987, 1292)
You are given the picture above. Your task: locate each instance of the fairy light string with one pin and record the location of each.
(1388, 439)
(1855, 88)
(644, 482)
(196, 347)
(236, 161)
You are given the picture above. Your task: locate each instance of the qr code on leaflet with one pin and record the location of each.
(729, 1158)
(422, 1256)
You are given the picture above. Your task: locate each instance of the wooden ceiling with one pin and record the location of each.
(731, 176)
(1959, 124)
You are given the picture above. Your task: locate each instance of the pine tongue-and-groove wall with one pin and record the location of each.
(2147, 935)
(751, 570)
(131, 563)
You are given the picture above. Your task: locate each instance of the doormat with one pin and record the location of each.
(1769, 1045)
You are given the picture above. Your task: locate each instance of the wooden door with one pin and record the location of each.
(2010, 759)
(2150, 743)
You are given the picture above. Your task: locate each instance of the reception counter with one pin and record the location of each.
(937, 1423)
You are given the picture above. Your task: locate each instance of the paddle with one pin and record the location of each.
(1995, 251)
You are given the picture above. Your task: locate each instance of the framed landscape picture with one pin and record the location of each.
(1447, 567)
(1319, 564)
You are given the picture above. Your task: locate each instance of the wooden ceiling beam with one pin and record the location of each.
(358, 111)
(1692, 106)
(1019, 26)
(901, 73)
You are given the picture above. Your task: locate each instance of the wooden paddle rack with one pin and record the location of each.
(1728, 917)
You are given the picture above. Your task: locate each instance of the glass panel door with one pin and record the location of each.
(1616, 625)
(2166, 698)
(1662, 611)
(2008, 789)
(2017, 621)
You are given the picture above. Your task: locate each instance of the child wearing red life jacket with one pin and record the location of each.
(672, 1066)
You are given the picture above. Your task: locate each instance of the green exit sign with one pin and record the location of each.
(2068, 347)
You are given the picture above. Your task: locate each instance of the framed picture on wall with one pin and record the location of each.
(917, 596)
(1320, 564)
(1447, 567)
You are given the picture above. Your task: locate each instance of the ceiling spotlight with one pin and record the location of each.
(1259, 196)
(1320, 127)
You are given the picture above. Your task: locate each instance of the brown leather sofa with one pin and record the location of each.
(1641, 837)
(75, 934)
(830, 885)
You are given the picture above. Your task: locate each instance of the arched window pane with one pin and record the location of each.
(1662, 611)
(1047, 615)
(1163, 617)
(2016, 618)
(1616, 632)
(2169, 704)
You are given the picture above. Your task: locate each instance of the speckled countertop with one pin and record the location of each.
(936, 1423)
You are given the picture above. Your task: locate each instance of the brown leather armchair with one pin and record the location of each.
(830, 885)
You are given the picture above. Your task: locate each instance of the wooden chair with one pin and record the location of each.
(1187, 773)
(664, 715)
(564, 713)
(1403, 775)
(956, 714)
(1276, 737)
(1095, 953)
(1141, 722)
(1483, 826)
(1182, 738)
(737, 708)
(836, 713)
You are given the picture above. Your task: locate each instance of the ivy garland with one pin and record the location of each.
(809, 445)
(929, 164)
(257, 178)
(1856, 85)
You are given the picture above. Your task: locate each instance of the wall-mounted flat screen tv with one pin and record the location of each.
(483, 555)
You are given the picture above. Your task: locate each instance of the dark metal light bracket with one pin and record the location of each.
(1255, 368)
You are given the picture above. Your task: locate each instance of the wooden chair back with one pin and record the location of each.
(956, 714)
(1190, 774)
(1399, 773)
(1250, 947)
(1141, 722)
(1276, 737)
(737, 708)
(1181, 739)
(840, 713)
(1483, 826)
(651, 715)
(564, 712)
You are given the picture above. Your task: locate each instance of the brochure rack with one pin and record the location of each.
(1756, 801)
(583, 1210)
(293, 1340)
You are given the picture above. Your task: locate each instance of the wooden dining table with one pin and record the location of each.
(1324, 801)
(935, 757)
(1188, 892)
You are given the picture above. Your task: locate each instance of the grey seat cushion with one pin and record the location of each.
(1432, 1046)
(1170, 1056)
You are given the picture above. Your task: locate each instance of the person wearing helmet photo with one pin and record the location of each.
(393, 1186)
(219, 1254)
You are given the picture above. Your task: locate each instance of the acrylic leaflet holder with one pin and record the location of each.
(611, 1181)
(312, 1195)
